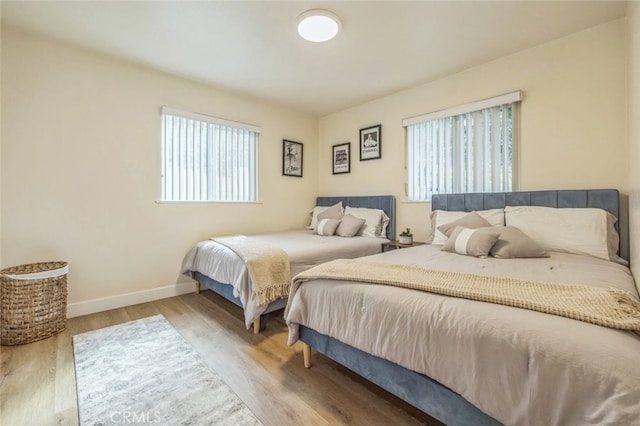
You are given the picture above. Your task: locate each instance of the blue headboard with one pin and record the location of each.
(606, 199)
(386, 203)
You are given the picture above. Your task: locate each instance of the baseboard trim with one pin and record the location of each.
(121, 300)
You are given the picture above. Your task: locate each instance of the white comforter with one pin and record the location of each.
(305, 250)
(518, 366)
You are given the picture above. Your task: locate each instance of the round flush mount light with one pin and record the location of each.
(318, 25)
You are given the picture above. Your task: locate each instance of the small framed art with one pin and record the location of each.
(371, 143)
(342, 158)
(291, 158)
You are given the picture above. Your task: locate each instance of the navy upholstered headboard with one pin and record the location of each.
(387, 203)
(606, 199)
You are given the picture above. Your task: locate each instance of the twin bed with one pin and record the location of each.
(221, 270)
(471, 362)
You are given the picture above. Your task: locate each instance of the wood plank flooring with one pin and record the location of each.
(38, 379)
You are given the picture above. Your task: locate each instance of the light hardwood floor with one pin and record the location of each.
(38, 379)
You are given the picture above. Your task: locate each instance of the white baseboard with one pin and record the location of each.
(113, 302)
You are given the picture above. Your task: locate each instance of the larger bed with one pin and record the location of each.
(471, 362)
(221, 270)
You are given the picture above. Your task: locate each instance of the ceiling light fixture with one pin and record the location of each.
(318, 25)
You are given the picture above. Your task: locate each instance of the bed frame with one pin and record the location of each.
(417, 389)
(386, 203)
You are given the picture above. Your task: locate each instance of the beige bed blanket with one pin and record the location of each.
(607, 307)
(268, 266)
(521, 367)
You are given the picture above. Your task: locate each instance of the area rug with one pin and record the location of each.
(144, 372)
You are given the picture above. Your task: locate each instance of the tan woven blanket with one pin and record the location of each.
(607, 307)
(268, 266)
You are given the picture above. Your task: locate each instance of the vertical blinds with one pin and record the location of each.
(207, 159)
(470, 152)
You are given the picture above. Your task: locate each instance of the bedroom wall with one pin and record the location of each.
(633, 76)
(0, 149)
(573, 121)
(81, 171)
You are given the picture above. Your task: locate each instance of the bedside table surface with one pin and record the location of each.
(398, 245)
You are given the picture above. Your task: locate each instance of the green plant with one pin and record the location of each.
(406, 233)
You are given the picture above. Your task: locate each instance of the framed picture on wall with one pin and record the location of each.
(371, 143)
(291, 158)
(342, 158)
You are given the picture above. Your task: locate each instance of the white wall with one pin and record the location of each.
(633, 75)
(573, 120)
(0, 148)
(79, 172)
(81, 169)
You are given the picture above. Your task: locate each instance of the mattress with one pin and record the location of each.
(304, 248)
(518, 366)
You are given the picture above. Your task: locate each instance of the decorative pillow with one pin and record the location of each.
(321, 209)
(376, 220)
(349, 226)
(512, 243)
(472, 221)
(327, 226)
(495, 217)
(584, 231)
(314, 216)
(471, 242)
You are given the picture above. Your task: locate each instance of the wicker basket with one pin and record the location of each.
(34, 302)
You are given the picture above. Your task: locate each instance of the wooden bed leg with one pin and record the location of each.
(197, 287)
(256, 326)
(306, 353)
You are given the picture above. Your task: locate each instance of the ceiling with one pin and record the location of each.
(252, 48)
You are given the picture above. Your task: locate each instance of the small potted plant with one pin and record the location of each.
(406, 237)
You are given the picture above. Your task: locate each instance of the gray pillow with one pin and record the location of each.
(471, 242)
(327, 227)
(515, 243)
(349, 226)
(472, 221)
(333, 212)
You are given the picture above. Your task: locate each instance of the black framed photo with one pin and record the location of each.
(342, 158)
(371, 143)
(291, 158)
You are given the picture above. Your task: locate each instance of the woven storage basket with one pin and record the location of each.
(34, 302)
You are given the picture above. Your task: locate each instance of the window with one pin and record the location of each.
(207, 159)
(464, 149)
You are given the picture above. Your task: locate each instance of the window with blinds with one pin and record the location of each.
(207, 159)
(463, 149)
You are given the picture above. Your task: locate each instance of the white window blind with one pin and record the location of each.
(471, 151)
(207, 159)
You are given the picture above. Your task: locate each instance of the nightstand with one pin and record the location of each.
(392, 245)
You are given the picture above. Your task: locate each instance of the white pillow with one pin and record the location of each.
(375, 221)
(584, 231)
(316, 211)
(495, 217)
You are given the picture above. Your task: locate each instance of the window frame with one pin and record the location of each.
(513, 98)
(206, 119)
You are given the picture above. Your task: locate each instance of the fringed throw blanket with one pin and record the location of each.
(268, 266)
(607, 307)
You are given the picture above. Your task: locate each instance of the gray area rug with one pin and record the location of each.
(144, 372)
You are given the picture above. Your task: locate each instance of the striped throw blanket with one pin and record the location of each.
(607, 307)
(268, 266)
